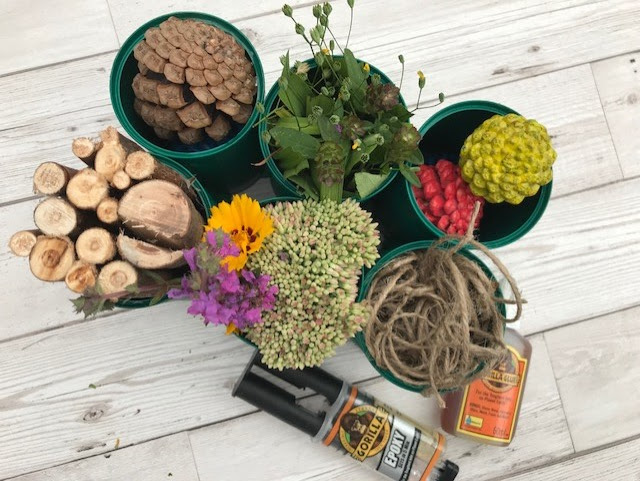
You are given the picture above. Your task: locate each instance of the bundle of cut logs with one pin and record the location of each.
(194, 80)
(107, 223)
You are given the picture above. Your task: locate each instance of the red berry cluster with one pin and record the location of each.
(445, 198)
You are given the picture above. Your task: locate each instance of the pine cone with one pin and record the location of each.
(190, 74)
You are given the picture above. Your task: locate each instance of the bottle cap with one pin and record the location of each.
(448, 472)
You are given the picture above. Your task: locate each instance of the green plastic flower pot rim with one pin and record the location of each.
(283, 186)
(364, 288)
(226, 167)
(207, 203)
(442, 136)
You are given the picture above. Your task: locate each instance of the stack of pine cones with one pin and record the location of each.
(194, 79)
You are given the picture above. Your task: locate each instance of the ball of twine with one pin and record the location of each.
(436, 316)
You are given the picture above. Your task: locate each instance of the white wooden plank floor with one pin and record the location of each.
(162, 408)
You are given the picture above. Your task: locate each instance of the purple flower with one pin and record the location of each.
(219, 295)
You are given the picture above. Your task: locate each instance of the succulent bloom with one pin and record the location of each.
(315, 257)
(245, 222)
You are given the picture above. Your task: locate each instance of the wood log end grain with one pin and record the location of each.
(85, 149)
(140, 165)
(148, 256)
(51, 178)
(116, 276)
(121, 180)
(81, 276)
(51, 258)
(107, 211)
(55, 216)
(96, 246)
(160, 212)
(87, 189)
(21, 243)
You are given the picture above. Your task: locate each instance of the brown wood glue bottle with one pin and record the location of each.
(487, 410)
(355, 423)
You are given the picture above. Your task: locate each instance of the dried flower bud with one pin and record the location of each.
(287, 10)
(350, 3)
(299, 29)
(317, 110)
(324, 21)
(401, 58)
(317, 10)
(421, 79)
(334, 119)
(327, 8)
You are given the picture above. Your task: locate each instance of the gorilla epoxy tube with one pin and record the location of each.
(354, 423)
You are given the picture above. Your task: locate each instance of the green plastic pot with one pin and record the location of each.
(443, 135)
(364, 288)
(206, 202)
(282, 186)
(222, 168)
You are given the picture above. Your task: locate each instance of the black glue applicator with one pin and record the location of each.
(354, 423)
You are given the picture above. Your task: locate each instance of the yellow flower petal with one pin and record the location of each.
(231, 328)
(245, 222)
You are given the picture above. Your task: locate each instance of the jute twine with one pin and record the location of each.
(436, 315)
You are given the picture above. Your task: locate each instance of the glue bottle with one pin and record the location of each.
(487, 410)
(355, 423)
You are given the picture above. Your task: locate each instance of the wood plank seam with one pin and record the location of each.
(54, 64)
(193, 456)
(555, 380)
(570, 457)
(606, 118)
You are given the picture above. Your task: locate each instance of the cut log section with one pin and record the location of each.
(56, 217)
(142, 166)
(23, 241)
(51, 178)
(51, 258)
(96, 246)
(87, 189)
(148, 256)
(107, 211)
(85, 149)
(116, 276)
(81, 276)
(160, 212)
(121, 180)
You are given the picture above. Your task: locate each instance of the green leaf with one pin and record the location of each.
(328, 131)
(157, 298)
(322, 101)
(307, 186)
(300, 124)
(92, 386)
(354, 69)
(347, 436)
(154, 276)
(291, 162)
(409, 174)
(401, 112)
(293, 90)
(416, 158)
(366, 182)
(300, 142)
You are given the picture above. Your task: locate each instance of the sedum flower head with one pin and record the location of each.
(315, 256)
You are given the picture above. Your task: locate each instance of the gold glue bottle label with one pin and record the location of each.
(490, 405)
(376, 435)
